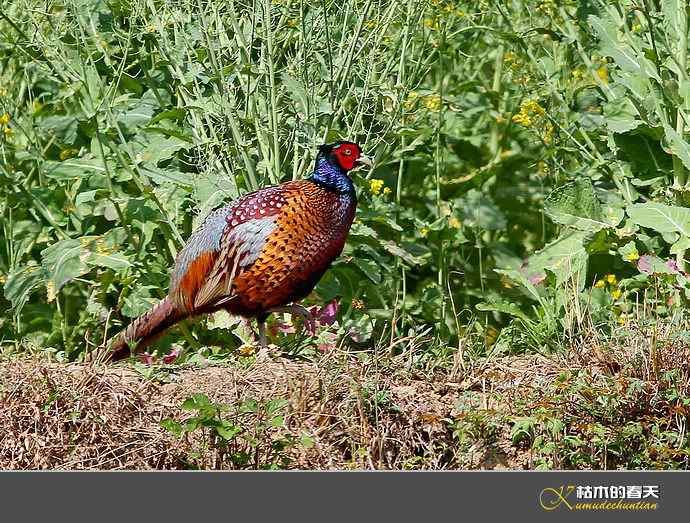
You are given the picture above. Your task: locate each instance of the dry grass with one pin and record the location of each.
(378, 414)
(57, 416)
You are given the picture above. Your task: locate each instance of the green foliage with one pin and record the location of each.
(524, 153)
(246, 440)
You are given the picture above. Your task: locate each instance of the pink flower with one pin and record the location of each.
(147, 358)
(325, 347)
(536, 279)
(283, 328)
(644, 264)
(172, 356)
(328, 313)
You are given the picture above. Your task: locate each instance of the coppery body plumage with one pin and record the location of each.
(267, 249)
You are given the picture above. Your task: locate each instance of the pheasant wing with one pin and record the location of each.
(224, 246)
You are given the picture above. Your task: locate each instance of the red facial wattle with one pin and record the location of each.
(347, 156)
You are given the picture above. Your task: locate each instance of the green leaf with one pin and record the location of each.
(621, 115)
(682, 245)
(160, 148)
(611, 43)
(629, 252)
(480, 211)
(370, 269)
(275, 405)
(565, 257)
(69, 259)
(227, 430)
(678, 145)
(575, 204)
(398, 251)
(64, 261)
(172, 426)
(73, 168)
(503, 306)
(196, 401)
(21, 283)
(660, 217)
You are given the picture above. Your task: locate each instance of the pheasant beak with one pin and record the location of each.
(365, 160)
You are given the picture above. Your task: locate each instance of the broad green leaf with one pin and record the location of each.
(660, 217)
(369, 268)
(502, 306)
(629, 252)
(21, 283)
(613, 44)
(565, 257)
(575, 204)
(72, 168)
(398, 251)
(160, 148)
(678, 145)
(682, 245)
(621, 115)
(69, 259)
(481, 212)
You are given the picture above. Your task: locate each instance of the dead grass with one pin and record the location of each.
(378, 414)
(80, 416)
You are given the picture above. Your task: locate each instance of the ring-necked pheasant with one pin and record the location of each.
(261, 252)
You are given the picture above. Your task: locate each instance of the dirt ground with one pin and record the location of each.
(339, 413)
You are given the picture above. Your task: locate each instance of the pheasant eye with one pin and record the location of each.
(347, 152)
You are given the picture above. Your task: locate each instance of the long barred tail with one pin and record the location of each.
(145, 329)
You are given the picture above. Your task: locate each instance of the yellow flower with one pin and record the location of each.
(611, 278)
(3, 278)
(8, 131)
(542, 169)
(430, 23)
(522, 119)
(357, 304)
(375, 186)
(432, 102)
(616, 294)
(633, 256)
(532, 107)
(636, 27)
(68, 153)
(529, 109)
(5, 119)
(371, 24)
(454, 222)
(411, 100)
(292, 23)
(491, 334)
(424, 231)
(548, 134)
(600, 284)
(246, 350)
(622, 319)
(102, 248)
(603, 74)
(386, 190)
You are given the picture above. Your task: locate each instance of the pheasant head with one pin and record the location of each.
(333, 162)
